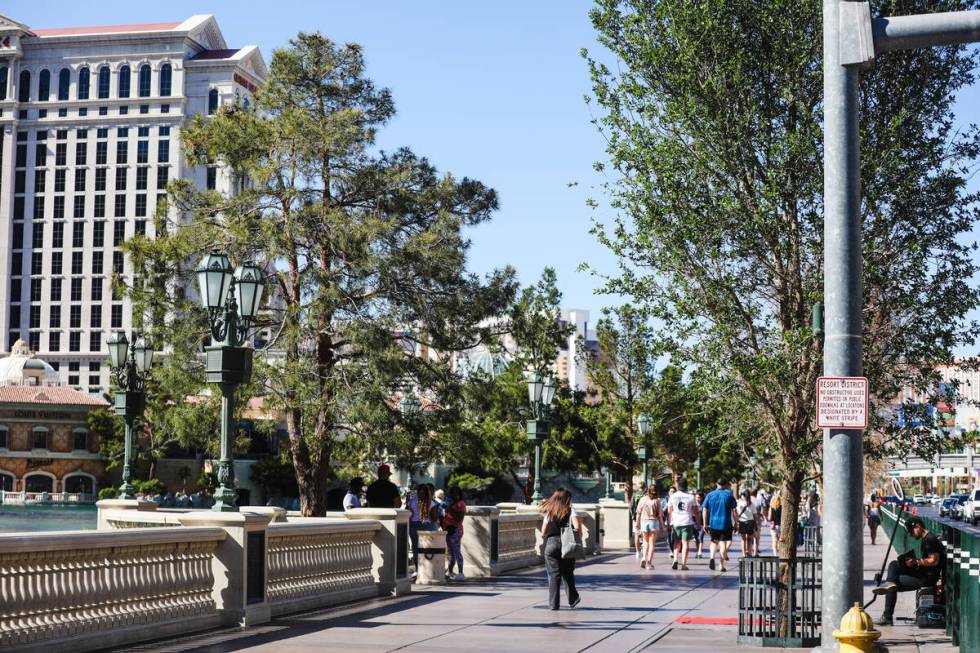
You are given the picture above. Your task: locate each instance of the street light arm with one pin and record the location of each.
(925, 30)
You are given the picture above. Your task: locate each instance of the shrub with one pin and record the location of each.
(151, 487)
(108, 493)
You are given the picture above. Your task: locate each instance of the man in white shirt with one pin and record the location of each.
(681, 508)
(353, 497)
(759, 503)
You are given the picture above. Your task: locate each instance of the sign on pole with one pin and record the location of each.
(842, 402)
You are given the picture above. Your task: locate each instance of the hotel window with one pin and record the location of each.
(95, 341)
(40, 155)
(74, 344)
(56, 290)
(142, 151)
(44, 86)
(24, 87)
(212, 101)
(54, 341)
(117, 262)
(34, 340)
(15, 290)
(144, 81)
(100, 176)
(99, 209)
(37, 236)
(83, 84)
(19, 235)
(95, 318)
(36, 290)
(35, 317)
(64, 82)
(3, 82)
(36, 263)
(81, 134)
(120, 178)
(58, 212)
(78, 234)
(116, 317)
(81, 153)
(123, 110)
(15, 316)
(75, 317)
(3, 434)
(59, 181)
(163, 152)
(119, 210)
(163, 176)
(79, 206)
(125, 76)
(144, 108)
(118, 233)
(141, 227)
(141, 174)
(101, 153)
(76, 289)
(20, 181)
(122, 152)
(38, 208)
(98, 234)
(166, 76)
(40, 437)
(103, 82)
(97, 262)
(40, 176)
(61, 154)
(140, 210)
(80, 436)
(96, 290)
(16, 263)
(56, 263)
(80, 181)
(54, 317)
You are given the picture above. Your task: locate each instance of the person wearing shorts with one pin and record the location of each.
(649, 517)
(681, 512)
(747, 521)
(719, 515)
(874, 517)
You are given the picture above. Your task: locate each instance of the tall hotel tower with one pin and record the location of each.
(90, 123)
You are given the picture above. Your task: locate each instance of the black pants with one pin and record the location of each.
(559, 569)
(905, 583)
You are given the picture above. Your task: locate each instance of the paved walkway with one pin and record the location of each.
(623, 609)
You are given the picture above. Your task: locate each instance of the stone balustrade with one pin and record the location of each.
(312, 565)
(77, 591)
(518, 540)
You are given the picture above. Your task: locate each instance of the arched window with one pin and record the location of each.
(7, 481)
(144, 87)
(124, 79)
(64, 81)
(79, 483)
(4, 437)
(83, 83)
(212, 100)
(39, 439)
(44, 86)
(38, 482)
(103, 82)
(80, 439)
(166, 79)
(24, 86)
(3, 83)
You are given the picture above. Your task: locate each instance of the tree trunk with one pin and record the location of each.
(313, 492)
(789, 498)
(628, 487)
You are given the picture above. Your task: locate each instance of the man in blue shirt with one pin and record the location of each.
(718, 514)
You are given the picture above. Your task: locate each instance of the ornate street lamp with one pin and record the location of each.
(540, 392)
(131, 367)
(645, 422)
(232, 298)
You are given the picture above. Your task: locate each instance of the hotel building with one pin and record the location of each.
(90, 123)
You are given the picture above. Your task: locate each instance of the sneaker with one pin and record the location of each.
(638, 553)
(723, 567)
(578, 599)
(459, 576)
(711, 564)
(684, 568)
(884, 621)
(643, 564)
(885, 588)
(674, 566)
(699, 555)
(414, 575)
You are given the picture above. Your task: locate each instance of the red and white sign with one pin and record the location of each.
(842, 402)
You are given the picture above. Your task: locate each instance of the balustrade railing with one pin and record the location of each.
(517, 537)
(17, 498)
(69, 588)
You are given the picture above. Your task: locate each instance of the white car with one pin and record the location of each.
(971, 508)
(918, 499)
(936, 500)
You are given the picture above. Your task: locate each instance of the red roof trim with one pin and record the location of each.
(106, 29)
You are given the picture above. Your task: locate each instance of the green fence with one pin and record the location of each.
(961, 577)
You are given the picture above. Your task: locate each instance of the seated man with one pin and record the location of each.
(909, 573)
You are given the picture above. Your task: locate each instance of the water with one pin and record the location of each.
(36, 517)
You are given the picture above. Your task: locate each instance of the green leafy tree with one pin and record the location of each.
(364, 251)
(712, 114)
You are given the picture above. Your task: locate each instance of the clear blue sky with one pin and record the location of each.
(489, 90)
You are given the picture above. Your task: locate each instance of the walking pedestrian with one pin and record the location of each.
(747, 518)
(873, 514)
(637, 535)
(424, 518)
(649, 518)
(699, 526)
(681, 512)
(383, 493)
(353, 497)
(558, 514)
(719, 515)
(667, 524)
(452, 523)
(759, 503)
(775, 521)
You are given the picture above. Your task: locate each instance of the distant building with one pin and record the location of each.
(45, 445)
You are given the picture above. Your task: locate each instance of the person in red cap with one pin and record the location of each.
(383, 493)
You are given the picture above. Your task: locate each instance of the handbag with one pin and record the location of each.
(571, 545)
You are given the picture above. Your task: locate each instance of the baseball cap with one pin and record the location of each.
(384, 469)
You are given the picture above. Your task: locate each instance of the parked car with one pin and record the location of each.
(936, 500)
(946, 507)
(918, 499)
(971, 507)
(957, 512)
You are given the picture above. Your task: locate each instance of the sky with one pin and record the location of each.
(488, 90)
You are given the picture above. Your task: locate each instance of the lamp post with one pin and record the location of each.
(232, 298)
(131, 367)
(645, 422)
(540, 392)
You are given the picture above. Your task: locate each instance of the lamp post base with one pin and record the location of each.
(225, 500)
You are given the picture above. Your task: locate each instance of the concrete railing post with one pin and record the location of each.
(390, 548)
(480, 541)
(617, 533)
(239, 564)
(588, 514)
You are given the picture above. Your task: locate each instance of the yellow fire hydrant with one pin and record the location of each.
(857, 633)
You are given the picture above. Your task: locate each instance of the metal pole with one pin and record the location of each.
(126, 490)
(537, 497)
(645, 474)
(225, 497)
(843, 470)
(608, 485)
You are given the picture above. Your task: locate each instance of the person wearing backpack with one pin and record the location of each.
(452, 523)
(558, 515)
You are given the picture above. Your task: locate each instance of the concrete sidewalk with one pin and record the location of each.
(623, 609)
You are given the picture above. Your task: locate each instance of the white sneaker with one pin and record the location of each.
(459, 576)
(414, 575)
(637, 554)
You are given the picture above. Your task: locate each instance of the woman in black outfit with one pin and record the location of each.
(558, 512)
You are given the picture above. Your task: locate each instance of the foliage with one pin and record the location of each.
(535, 324)
(275, 475)
(109, 428)
(151, 487)
(364, 252)
(712, 115)
(207, 481)
(470, 483)
(108, 493)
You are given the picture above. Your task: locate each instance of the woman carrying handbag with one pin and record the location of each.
(562, 535)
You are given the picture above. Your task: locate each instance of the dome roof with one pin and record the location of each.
(486, 364)
(21, 368)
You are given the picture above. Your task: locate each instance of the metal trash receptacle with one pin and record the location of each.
(432, 558)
